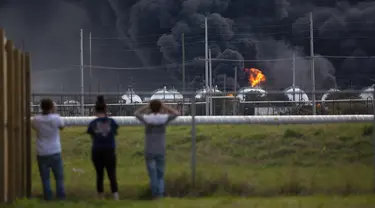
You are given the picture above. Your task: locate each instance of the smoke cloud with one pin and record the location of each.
(47, 32)
(240, 32)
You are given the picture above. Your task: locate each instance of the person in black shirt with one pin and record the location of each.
(103, 131)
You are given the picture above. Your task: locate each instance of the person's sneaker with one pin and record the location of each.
(116, 196)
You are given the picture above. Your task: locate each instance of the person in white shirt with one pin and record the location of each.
(47, 126)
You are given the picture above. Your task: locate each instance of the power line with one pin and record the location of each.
(138, 68)
(240, 35)
(155, 48)
(63, 69)
(139, 37)
(193, 36)
(349, 57)
(241, 27)
(180, 45)
(317, 56)
(333, 38)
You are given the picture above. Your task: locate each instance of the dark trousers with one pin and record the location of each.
(105, 159)
(46, 164)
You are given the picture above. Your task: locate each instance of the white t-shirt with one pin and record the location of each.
(48, 133)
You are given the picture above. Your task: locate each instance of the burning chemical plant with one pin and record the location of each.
(153, 33)
(254, 90)
(256, 77)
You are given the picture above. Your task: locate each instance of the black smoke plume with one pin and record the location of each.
(243, 32)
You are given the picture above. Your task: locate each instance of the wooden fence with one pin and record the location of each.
(15, 135)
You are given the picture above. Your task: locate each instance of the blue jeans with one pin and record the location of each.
(55, 163)
(155, 164)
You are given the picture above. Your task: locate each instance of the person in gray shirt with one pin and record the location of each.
(155, 116)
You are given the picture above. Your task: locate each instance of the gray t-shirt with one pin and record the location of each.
(155, 126)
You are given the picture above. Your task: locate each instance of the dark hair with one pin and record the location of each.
(155, 106)
(100, 105)
(46, 105)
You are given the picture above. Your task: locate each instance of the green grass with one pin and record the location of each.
(290, 163)
(366, 201)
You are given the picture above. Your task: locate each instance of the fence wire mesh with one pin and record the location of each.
(215, 102)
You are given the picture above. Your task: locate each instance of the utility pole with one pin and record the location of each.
(294, 76)
(183, 72)
(210, 76)
(312, 56)
(225, 93)
(90, 83)
(131, 95)
(206, 64)
(235, 92)
(82, 79)
(373, 125)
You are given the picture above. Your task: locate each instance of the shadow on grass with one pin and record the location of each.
(221, 185)
(181, 186)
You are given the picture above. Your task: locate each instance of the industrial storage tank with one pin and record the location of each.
(176, 94)
(243, 91)
(70, 108)
(202, 92)
(166, 95)
(130, 97)
(367, 93)
(328, 93)
(299, 95)
(71, 102)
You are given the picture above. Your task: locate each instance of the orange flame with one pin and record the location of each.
(231, 95)
(255, 76)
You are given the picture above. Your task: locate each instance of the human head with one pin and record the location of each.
(100, 105)
(46, 105)
(155, 106)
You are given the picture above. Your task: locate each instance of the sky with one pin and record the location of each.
(138, 43)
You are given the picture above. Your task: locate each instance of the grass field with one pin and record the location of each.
(237, 166)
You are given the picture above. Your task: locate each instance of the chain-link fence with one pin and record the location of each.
(246, 102)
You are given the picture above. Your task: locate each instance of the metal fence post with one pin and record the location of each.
(373, 129)
(193, 141)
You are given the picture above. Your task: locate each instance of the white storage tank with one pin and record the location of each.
(299, 95)
(176, 94)
(130, 97)
(202, 92)
(166, 95)
(329, 92)
(243, 91)
(367, 93)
